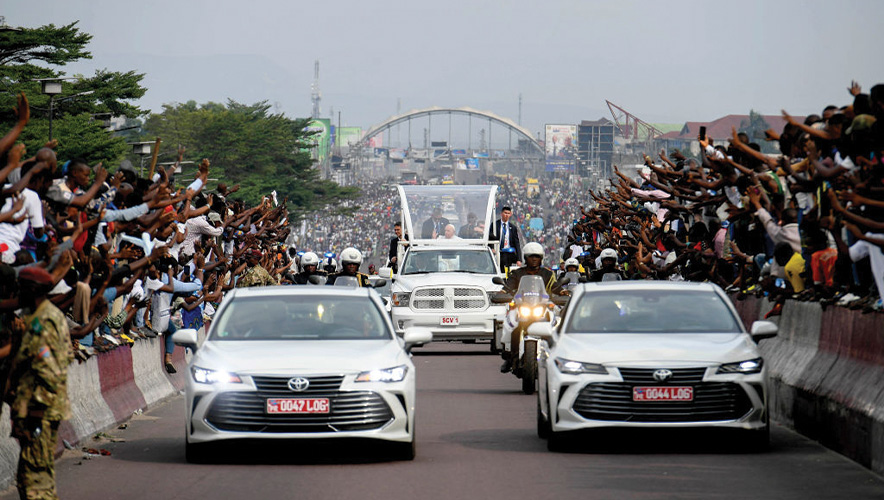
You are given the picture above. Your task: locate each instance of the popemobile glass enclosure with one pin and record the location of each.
(470, 209)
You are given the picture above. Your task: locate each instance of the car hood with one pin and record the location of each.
(651, 349)
(409, 282)
(301, 357)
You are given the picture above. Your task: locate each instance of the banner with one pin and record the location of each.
(472, 163)
(322, 129)
(459, 152)
(348, 136)
(398, 154)
(561, 148)
(480, 154)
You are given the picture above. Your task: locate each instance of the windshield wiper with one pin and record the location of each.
(465, 271)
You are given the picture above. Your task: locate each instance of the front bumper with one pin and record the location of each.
(594, 401)
(472, 325)
(372, 410)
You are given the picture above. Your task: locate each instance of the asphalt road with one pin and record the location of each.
(476, 440)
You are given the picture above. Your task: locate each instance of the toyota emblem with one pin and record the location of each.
(300, 384)
(659, 375)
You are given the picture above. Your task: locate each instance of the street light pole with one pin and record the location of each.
(51, 100)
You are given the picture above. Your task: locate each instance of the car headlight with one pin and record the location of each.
(748, 366)
(577, 367)
(400, 298)
(395, 374)
(204, 376)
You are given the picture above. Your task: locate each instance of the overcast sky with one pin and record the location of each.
(665, 61)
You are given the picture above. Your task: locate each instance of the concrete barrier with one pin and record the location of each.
(827, 375)
(105, 391)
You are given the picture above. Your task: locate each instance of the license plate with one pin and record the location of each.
(449, 320)
(663, 393)
(297, 405)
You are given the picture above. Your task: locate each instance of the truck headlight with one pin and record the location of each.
(400, 299)
(205, 376)
(748, 366)
(577, 367)
(395, 374)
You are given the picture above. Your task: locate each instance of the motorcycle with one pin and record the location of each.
(530, 304)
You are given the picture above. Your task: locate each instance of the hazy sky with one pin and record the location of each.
(665, 61)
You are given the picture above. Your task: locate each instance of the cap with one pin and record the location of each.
(36, 274)
(214, 217)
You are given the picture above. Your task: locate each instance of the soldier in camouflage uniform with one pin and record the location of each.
(37, 387)
(256, 275)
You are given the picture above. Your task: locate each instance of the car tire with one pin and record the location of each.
(529, 367)
(757, 440)
(544, 428)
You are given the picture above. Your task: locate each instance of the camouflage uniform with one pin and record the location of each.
(256, 276)
(38, 383)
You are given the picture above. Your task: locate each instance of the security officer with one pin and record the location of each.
(608, 271)
(37, 386)
(309, 264)
(351, 259)
(255, 275)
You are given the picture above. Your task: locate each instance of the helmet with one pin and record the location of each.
(309, 259)
(608, 253)
(351, 256)
(572, 262)
(330, 265)
(533, 249)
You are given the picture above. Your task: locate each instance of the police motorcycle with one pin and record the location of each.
(531, 303)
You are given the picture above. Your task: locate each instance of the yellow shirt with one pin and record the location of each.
(794, 268)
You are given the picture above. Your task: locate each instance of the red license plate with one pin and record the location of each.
(662, 393)
(298, 405)
(450, 320)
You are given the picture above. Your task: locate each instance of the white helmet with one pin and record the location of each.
(608, 253)
(309, 259)
(572, 262)
(351, 256)
(533, 249)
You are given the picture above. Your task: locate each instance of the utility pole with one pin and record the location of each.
(315, 94)
(520, 109)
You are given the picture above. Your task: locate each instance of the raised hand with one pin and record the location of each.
(854, 88)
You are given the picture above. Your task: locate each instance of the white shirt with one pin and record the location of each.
(13, 234)
(196, 227)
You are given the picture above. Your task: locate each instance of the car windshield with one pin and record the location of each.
(462, 260)
(651, 311)
(320, 317)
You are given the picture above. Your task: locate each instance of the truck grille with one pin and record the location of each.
(459, 298)
(612, 401)
(350, 411)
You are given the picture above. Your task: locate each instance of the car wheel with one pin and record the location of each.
(196, 453)
(404, 451)
(758, 440)
(529, 368)
(544, 428)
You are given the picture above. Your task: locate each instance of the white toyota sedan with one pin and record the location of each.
(651, 354)
(301, 362)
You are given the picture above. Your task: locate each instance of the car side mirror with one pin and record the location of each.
(386, 272)
(185, 337)
(380, 283)
(501, 298)
(764, 330)
(415, 336)
(497, 280)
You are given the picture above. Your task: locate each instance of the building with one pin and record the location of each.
(718, 130)
(595, 147)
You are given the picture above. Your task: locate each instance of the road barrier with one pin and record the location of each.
(105, 390)
(827, 375)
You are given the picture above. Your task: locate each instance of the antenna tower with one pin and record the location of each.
(315, 94)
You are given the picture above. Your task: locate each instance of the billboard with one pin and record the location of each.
(472, 163)
(347, 136)
(561, 148)
(398, 154)
(321, 127)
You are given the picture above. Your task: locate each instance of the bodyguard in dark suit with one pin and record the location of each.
(507, 233)
(435, 225)
(392, 255)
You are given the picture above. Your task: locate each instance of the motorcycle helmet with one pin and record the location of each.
(351, 256)
(309, 259)
(533, 249)
(608, 253)
(572, 262)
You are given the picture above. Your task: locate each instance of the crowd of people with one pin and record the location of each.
(805, 224)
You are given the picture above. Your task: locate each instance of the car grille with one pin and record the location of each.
(679, 375)
(350, 411)
(612, 401)
(462, 298)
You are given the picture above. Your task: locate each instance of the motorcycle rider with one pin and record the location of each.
(351, 259)
(309, 267)
(329, 264)
(609, 267)
(572, 265)
(533, 254)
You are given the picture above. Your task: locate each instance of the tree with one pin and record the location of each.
(754, 128)
(29, 54)
(249, 145)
